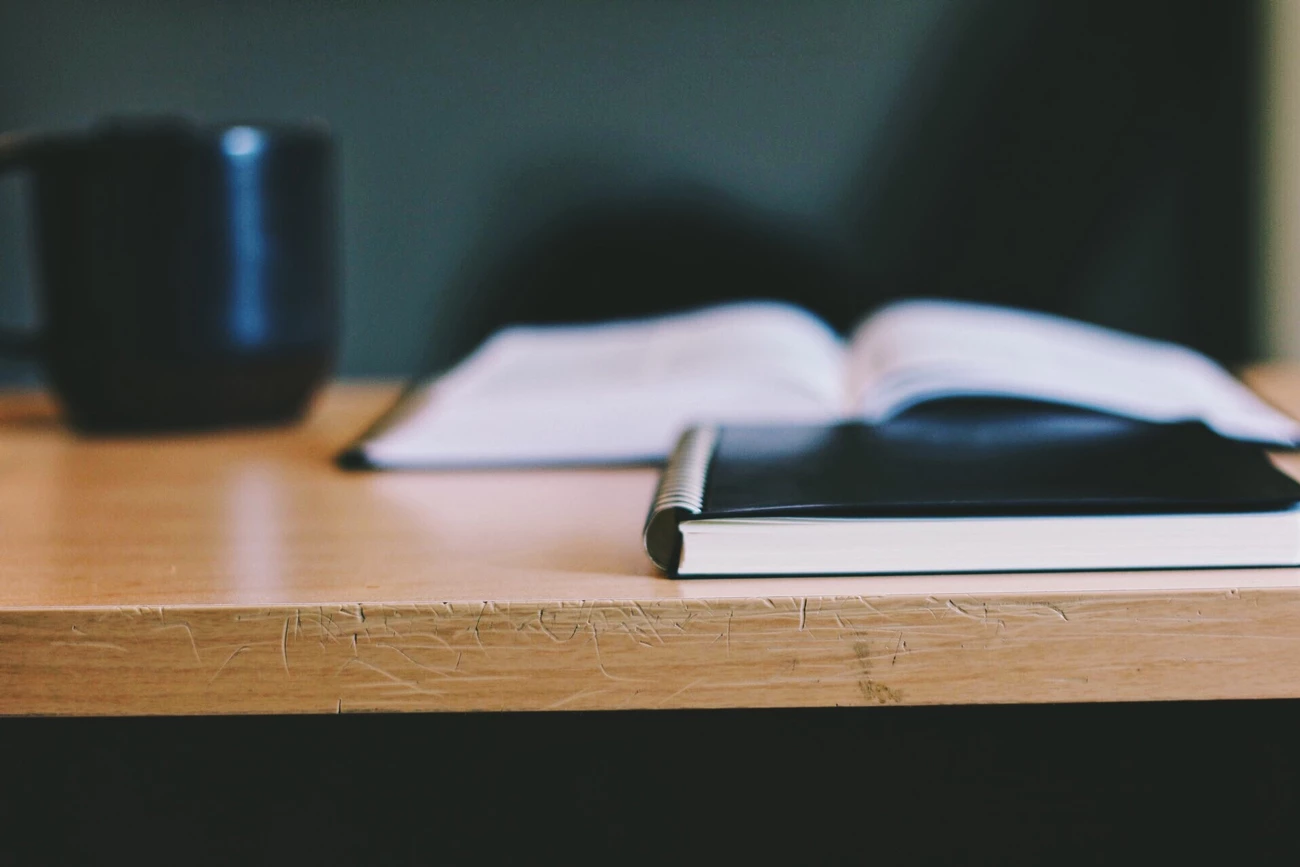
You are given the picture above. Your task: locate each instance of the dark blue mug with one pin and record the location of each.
(187, 274)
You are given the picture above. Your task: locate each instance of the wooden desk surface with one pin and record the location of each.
(243, 573)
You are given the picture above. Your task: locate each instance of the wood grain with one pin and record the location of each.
(243, 573)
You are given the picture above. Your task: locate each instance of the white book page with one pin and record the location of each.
(914, 351)
(619, 391)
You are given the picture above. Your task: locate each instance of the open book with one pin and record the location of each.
(622, 392)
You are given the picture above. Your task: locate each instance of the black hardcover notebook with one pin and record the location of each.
(969, 487)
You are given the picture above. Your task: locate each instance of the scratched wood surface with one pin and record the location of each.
(242, 573)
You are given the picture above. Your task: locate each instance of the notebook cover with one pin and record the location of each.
(976, 458)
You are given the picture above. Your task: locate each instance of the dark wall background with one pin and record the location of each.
(507, 160)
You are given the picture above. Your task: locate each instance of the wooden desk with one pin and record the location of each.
(243, 573)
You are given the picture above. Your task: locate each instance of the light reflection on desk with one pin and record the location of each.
(255, 521)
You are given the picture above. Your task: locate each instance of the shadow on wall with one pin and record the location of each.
(578, 240)
(1088, 158)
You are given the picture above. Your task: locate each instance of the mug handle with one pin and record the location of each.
(16, 151)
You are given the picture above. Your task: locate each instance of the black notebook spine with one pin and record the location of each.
(679, 495)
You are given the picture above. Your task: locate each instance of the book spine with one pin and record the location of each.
(680, 494)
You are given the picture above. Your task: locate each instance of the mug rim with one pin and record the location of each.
(145, 124)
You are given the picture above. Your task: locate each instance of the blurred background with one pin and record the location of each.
(506, 160)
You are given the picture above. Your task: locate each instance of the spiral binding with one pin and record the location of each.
(680, 493)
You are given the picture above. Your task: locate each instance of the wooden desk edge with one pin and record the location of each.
(660, 653)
